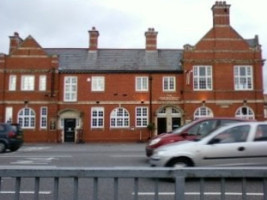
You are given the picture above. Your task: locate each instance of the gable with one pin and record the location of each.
(29, 47)
(223, 38)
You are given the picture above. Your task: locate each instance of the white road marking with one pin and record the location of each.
(127, 156)
(198, 193)
(25, 192)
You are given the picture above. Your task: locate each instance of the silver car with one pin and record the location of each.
(232, 145)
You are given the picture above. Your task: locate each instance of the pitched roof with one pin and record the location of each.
(127, 60)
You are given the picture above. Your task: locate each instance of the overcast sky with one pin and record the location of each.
(122, 23)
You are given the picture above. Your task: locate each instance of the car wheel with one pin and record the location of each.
(14, 148)
(180, 163)
(2, 147)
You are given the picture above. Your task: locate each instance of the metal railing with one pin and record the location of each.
(52, 182)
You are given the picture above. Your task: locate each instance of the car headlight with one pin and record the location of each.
(154, 141)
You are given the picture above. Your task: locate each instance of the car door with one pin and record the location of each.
(257, 149)
(228, 147)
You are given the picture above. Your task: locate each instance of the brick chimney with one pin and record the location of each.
(221, 14)
(93, 40)
(15, 42)
(151, 39)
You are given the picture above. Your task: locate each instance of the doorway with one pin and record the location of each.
(168, 119)
(69, 129)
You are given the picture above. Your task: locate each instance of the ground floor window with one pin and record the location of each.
(141, 114)
(203, 111)
(97, 117)
(245, 112)
(119, 118)
(26, 118)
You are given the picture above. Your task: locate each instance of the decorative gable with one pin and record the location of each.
(29, 47)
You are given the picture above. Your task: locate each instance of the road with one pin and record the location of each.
(78, 155)
(108, 155)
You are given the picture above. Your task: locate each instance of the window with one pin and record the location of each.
(27, 83)
(119, 118)
(261, 133)
(141, 84)
(9, 114)
(233, 135)
(243, 78)
(141, 114)
(202, 76)
(245, 113)
(12, 82)
(97, 117)
(42, 83)
(43, 118)
(98, 83)
(26, 118)
(70, 88)
(169, 83)
(202, 112)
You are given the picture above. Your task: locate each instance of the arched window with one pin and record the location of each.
(26, 118)
(202, 112)
(119, 118)
(245, 112)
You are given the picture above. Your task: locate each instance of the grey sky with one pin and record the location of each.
(122, 23)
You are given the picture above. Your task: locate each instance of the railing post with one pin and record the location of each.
(36, 188)
(179, 187)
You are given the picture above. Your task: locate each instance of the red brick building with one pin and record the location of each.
(95, 94)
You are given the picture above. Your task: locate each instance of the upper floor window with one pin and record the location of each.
(26, 118)
(12, 82)
(202, 112)
(97, 117)
(98, 83)
(27, 82)
(42, 83)
(70, 88)
(141, 114)
(141, 83)
(243, 77)
(245, 112)
(202, 76)
(169, 83)
(119, 118)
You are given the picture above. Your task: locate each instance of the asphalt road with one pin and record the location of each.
(107, 155)
(78, 155)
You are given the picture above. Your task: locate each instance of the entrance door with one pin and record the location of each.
(162, 125)
(69, 130)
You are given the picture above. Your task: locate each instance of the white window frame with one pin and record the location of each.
(141, 84)
(97, 117)
(169, 84)
(27, 82)
(42, 82)
(43, 117)
(245, 112)
(141, 116)
(98, 84)
(119, 118)
(203, 112)
(12, 86)
(26, 118)
(9, 114)
(202, 82)
(70, 88)
(243, 81)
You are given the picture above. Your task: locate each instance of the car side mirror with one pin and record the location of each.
(214, 141)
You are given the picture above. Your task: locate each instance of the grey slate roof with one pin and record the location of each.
(126, 60)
